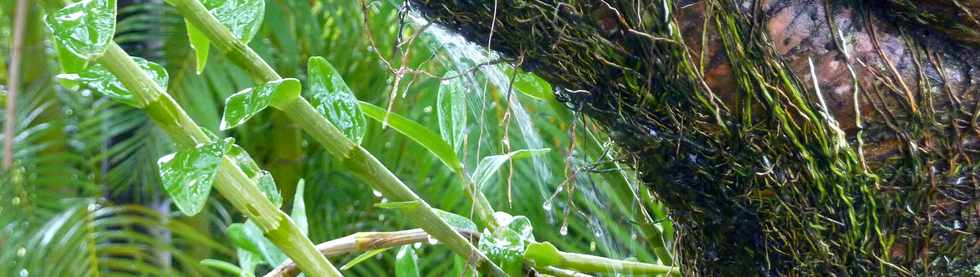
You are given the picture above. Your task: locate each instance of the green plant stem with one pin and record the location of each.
(231, 181)
(596, 264)
(360, 161)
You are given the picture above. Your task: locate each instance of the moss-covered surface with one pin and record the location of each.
(764, 173)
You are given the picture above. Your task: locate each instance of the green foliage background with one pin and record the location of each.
(84, 197)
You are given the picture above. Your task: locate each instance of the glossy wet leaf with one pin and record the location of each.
(543, 254)
(84, 28)
(416, 132)
(263, 179)
(456, 221)
(242, 17)
(97, 78)
(363, 257)
(488, 166)
(242, 106)
(334, 100)
(298, 213)
(69, 62)
(248, 236)
(519, 224)
(505, 248)
(451, 110)
(406, 262)
(187, 175)
(531, 85)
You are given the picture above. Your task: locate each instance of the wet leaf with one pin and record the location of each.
(519, 224)
(406, 262)
(456, 221)
(98, 78)
(451, 110)
(242, 106)
(363, 257)
(488, 166)
(187, 175)
(531, 85)
(69, 62)
(416, 132)
(334, 100)
(263, 179)
(84, 28)
(249, 237)
(505, 248)
(242, 17)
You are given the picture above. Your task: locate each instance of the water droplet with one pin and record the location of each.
(376, 193)
(433, 241)
(564, 229)
(24, 273)
(427, 109)
(592, 246)
(92, 207)
(417, 245)
(15, 201)
(21, 252)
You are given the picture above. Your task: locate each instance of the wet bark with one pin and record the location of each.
(788, 137)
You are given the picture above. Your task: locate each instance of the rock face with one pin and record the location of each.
(788, 137)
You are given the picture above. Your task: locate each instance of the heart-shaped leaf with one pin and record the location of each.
(406, 262)
(451, 110)
(505, 248)
(97, 78)
(188, 174)
(245, 104)
(334, 100)
(84, 28)
(242, 17)
(416, 132)
(488, 166)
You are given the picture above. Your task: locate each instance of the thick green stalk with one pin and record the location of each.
(231, 181)
(364, 165)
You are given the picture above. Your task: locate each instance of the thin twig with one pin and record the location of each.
(13, 82)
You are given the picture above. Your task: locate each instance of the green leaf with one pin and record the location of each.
(519, 224)
(200, 44)
(97, 78)
(451, 110)
(242, 17)
(488, 166)
(249, 237)
(84, 28)
(298, 213)
(245, 104)
(531, 85)
(456, 221)
(461, 268)
(334, 100)
(543, 254)
(406, 262)
(416, 132)
(363, 257)
(263, 179)
(247, 261)
(188, 174)
(70, 63)
(505, 248)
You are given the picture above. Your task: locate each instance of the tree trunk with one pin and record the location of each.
(869, 172)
